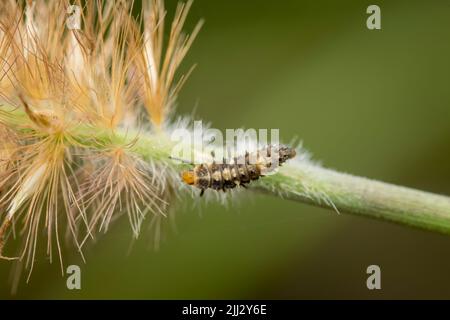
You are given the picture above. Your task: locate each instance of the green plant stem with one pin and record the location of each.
(299, 181)
(346, 193)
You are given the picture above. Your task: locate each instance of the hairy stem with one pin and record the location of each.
(299, 181)
(346, 193)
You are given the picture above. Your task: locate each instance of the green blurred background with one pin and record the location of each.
(371, 103)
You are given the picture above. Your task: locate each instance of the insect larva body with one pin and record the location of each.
(242, 171)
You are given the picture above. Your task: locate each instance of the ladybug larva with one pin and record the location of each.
(242, 171)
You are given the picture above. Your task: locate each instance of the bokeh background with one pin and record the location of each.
(371, 103)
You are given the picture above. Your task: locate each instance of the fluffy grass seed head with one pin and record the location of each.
(75, 105)
(85, 126)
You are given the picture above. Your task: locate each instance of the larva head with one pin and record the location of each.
(188, 177)
(285, 153)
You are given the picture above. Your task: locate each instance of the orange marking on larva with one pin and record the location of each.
(188, 177)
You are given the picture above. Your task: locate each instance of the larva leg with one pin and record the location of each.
(269, 151)
(181, 160)
(210, 141)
